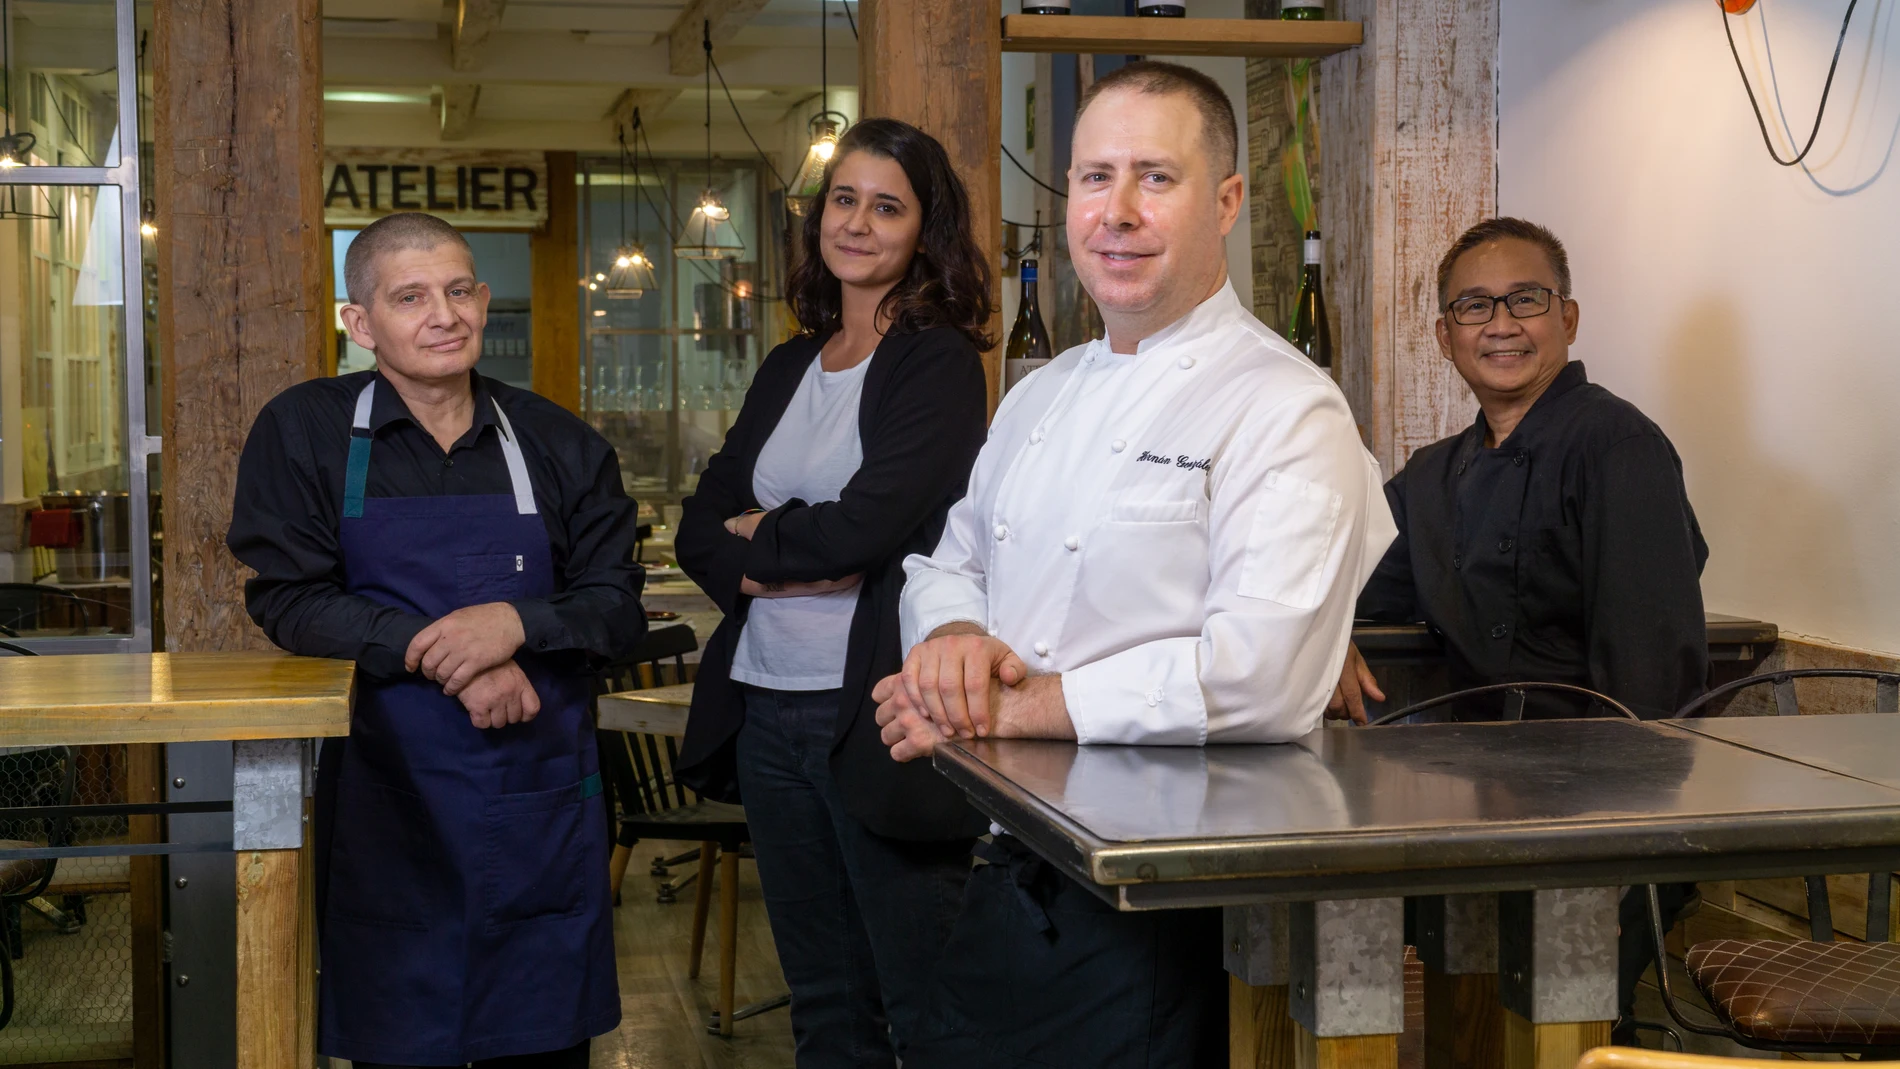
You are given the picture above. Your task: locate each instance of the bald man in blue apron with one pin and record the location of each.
(470, 547)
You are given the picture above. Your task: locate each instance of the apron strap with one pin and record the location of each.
(517, 466)
(356, 476)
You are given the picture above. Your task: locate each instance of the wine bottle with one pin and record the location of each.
(1302, 10)
(1028, 347)
(1045, 7)
(1309, 332)
(1176, 10)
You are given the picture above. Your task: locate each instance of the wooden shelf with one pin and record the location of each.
(1178, 37)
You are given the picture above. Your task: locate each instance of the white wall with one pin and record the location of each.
(1746, 307)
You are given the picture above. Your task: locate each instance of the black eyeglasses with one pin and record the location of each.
(1522, 304)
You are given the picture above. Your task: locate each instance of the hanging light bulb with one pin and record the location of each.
(825, 130)
(632, 275)
(13, 149)
(709, 234)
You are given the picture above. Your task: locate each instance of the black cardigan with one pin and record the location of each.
(921, 420)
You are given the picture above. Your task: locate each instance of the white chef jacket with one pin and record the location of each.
(1181, 532)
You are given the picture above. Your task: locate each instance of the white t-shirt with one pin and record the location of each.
(799, 643)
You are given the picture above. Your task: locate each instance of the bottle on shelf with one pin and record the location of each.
(1028, 347)
(1045, 7)
(1177, 9)
(1302, 10)
(1309, 331)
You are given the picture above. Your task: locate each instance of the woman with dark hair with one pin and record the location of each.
(855, 439)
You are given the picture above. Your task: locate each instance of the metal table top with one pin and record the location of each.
(1863, 745)
(1424, 809)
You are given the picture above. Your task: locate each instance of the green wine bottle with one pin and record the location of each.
(1302, 10)
(1028, 347)
(1309, 331)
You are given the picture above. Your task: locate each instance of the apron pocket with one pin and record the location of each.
(383, 860)
(536, 857)
(481, 578)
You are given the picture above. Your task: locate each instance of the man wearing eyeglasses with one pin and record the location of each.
(1553, 539)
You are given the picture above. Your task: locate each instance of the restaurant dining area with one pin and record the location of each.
(740, 534)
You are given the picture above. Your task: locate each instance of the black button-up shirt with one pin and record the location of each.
(289, 504)
(1568, 554)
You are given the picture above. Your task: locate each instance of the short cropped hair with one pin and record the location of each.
(1497, 230)
(403, 230)
(1218, 129)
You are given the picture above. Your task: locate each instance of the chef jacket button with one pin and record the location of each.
(1042, 649)
(1036, 438)
(1505, 545)
(1072, 543)
(1500, 631)
(1117, 445)
(1457, 560)
(1187, 362)
(1519, 457)
(992, 632)
(1001, 532)
(1154, 699)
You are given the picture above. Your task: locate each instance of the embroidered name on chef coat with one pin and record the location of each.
(1180, 461)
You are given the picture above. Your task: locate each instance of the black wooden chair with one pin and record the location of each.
(648, 802)
(23, 606)
(1516, 695)
(1798, 996)
(39, 777)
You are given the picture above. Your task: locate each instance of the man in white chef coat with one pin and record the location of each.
(1162, 544)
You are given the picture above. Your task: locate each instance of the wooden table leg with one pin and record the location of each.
(276, 989)
(1550, 1046)
(1347, 1052)
(1260, 1032)
(1458, 942)
(728, 936)
(1346, 963)
(1556, 974)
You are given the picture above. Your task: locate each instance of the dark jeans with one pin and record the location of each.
(572, 1058)
(860, 921)
(1040, 972)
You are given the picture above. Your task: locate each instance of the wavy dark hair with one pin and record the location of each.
(948, 283)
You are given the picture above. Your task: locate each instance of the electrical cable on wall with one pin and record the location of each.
(1031, 176)
(1726, 10)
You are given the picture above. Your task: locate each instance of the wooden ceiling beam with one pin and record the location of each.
(648, 102)
(474, 21)
(458, 109)
(686, 41)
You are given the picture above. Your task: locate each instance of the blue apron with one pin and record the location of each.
(462, 873)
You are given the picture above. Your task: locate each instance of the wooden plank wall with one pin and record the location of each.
(555, 273)
(1409, 128)
(242, 310)
(939, 64)
(1276, 238)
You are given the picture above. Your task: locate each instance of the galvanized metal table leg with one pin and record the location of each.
(1556, 973)
(1458, 942)
(275, 967)
(1348, 981)
(1260, 1029)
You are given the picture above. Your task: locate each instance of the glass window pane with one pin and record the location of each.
(60, 95)
(62, 405)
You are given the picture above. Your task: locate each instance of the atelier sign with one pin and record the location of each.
(471, 190)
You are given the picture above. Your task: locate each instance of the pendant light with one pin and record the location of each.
(632, 273)
(13, 147)
(709, 234)
(824, 128)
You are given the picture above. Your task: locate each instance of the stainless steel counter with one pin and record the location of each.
(1864, 746)
(1427, 809)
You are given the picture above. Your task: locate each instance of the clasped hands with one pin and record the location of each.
(964, 683)
(744, 525)
(471, 653)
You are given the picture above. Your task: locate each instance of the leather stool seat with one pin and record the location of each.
(17, 875)
(1802, 992)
